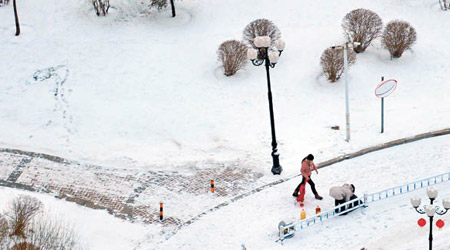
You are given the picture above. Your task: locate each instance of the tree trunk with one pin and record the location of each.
(16, 17)
(359, 49)
(173, 8)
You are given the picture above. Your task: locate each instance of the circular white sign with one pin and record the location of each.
(385, 88)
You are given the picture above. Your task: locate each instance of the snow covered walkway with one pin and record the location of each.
(127, 193)
(135, 194)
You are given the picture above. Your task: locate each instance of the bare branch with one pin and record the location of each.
(22, 211)
(398, 36)
(158, 4)
(261, 27)
(332, 63)
(233, 55)
(362, 26)
(52, 235)
(4, 230)
(101, 7)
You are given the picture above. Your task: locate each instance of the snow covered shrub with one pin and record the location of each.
(158, 4)
(161, 4)
(25, 246)
(50, 234)
(398, 36)
(362, 26)
(233, 55)
(3, 230)
(22, 229)
(332, 62)
(22, 211)
(261, 27)
(445, 4)
(101, 7)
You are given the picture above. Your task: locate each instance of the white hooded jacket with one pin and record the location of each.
(342, 192)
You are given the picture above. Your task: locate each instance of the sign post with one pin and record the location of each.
(384, 89)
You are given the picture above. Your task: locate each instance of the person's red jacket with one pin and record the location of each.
(307, 168)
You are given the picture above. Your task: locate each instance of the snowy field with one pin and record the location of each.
(143, 90)
(138, 89)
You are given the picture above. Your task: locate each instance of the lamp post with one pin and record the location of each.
(430, 210)
(264, 54)
(345, 47)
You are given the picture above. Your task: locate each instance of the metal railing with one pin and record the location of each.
(287, 231)
(391, 192)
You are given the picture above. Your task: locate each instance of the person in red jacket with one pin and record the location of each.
(306, 170)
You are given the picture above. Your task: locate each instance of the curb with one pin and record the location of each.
(383, 146)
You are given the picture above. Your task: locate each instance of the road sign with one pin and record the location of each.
(384, 89)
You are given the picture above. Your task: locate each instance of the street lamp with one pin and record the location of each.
(345, 47)
(264, 54)
(430, 210)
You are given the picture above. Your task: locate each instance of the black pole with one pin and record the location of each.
(172, 4)
(431, 233)
(430, 238)
(16, 18)
(276, 168)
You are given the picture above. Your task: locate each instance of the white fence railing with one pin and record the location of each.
(287, 231)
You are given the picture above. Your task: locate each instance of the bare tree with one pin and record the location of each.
(445, 4)
(4, 230)
(46, 234)
(362, 26)
(25, 246)
(398, 36)
(52, 235)
(22, 211)
(24, 230)
(261, 27)
(101, 7)
(161, 4)
(16, 18)
(332, 63)
(233, 55)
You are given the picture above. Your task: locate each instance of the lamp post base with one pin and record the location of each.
(276, 168)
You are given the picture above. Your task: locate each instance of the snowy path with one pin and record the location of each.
(131, 193)
(253, 221)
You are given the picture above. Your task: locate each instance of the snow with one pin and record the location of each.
(144, 91)
(386, 224)
(7, 165)
(253, 221)
(95, 229)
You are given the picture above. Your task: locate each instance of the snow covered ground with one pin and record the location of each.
(142, 90)
(384, 225)
(97, 230)
(387, 224)
(138, 89)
